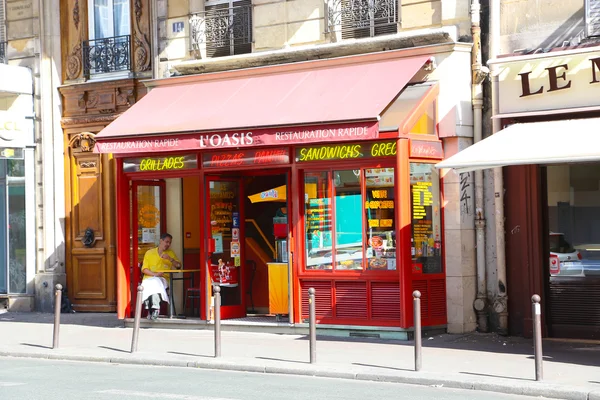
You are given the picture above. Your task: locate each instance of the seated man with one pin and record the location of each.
(156, 260)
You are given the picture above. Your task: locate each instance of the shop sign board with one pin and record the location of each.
(15, 130)
(352, 151)
(242, 138)
(426, 149)
(563, 80)
(240, 158)
(155, 164)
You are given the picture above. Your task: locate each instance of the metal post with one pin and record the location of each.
(537, 336)
(138, 316)
(312, 328)
(57, 307)
(217, 291)
(417, 318)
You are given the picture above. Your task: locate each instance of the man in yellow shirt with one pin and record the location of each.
(156, 260)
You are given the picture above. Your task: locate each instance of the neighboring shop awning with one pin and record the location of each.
(551, 142)
(242, 108)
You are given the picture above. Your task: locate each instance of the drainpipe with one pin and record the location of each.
(501, 301)
(479, 74)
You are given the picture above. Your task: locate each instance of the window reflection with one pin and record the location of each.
(348, 220)
(573, 217)
(380, 217)
(317, 212)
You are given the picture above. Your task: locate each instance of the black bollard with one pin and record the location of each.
(217, 290)
(417, 318)
(537, 336)
(312, 325)
(57, 307)
(136, 321)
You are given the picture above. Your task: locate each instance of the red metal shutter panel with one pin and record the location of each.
(323, 301)
(385, 300)
(437, 307)
(351, 300)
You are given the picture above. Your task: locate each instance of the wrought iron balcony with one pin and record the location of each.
(106, 55)
(223, 30)
(3, 53)
(362, 18)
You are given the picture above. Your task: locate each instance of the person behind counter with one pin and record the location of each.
(156, 260)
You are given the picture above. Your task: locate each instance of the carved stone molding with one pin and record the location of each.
(140, 40)
(125, 97)
(76, 14)
(82, 101)
(83, 141)
(88, 120)
(74, 62)
(93, 100)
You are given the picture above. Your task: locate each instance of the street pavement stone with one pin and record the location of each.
(471, 361)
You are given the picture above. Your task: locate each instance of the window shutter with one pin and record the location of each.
(227, 22)
(217, 31)
(355, 19)
(592, 17)
(359, 16)
(242, 29)
(2, 21)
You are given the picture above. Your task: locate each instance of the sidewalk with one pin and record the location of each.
(472, 361)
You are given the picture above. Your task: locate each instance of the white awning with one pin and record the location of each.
(549, 142)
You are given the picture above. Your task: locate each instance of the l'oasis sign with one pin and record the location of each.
(155, 164)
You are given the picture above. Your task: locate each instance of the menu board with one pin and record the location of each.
(426, 243)
(422, 197)
(318, 218)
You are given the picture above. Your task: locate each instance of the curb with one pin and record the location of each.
(527, 388)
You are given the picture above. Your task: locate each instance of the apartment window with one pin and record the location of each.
(592, 17)
(223, 29)
(362, 18)
(108, 48)
(108, 18)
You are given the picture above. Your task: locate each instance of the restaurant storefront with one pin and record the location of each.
(270, 188)
(549, 145)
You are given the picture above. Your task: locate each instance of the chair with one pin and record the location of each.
(192, 294)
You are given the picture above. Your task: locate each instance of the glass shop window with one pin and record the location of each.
(350, 220)
(426, 240)
(573, 219)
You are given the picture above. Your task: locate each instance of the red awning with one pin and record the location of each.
(349, 98)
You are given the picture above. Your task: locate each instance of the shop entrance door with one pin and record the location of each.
(225, 231)
(148, 203)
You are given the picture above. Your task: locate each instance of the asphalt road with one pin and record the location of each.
(33, 379)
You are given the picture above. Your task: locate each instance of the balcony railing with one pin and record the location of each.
(106, 55)
(362, 18)
(3, 53)
(222, 31)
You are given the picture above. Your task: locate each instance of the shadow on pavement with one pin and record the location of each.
(36, 345)
(383, 366)
(281, 359)
(559, 351)
(496, 376)
(555, 351)
(114, 349)
(105, 320)
(189, 354)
